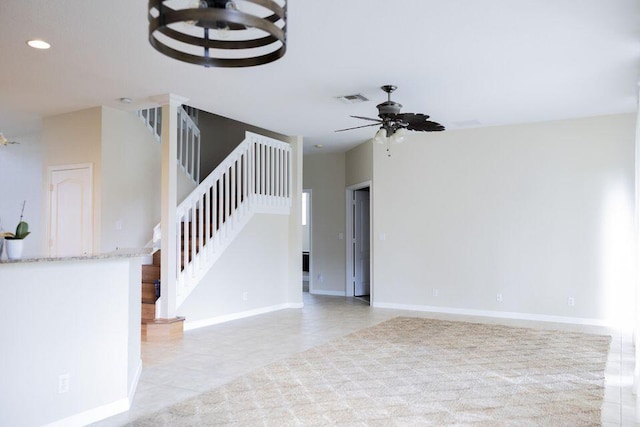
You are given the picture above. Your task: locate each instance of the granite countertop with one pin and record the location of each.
(120, 253)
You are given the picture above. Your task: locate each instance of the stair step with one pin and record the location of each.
(150, 273)
(162, 329)
(148, 291)
(157, 257)
(148, 310)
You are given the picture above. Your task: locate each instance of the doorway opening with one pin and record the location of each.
(359, 283)
(306, 241)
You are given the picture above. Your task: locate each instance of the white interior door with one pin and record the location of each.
(361, 242)
(70, 227)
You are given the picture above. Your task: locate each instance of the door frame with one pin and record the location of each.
(348, 277)
(309, 191)
(58, 168)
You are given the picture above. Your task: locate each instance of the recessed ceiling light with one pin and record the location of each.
(319, 146)
(38, 44)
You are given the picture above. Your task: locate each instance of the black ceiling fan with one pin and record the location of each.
(392, 120)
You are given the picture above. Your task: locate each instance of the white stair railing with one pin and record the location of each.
(188, 137)
(152, 118)
(254, 178)
(188, 145)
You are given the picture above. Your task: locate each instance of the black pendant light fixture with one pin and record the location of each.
(219, 33)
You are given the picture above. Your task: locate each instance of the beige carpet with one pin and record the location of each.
(411, 371)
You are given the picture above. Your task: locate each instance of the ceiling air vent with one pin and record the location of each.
(353, 99)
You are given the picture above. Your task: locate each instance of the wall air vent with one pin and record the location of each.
(353, 99)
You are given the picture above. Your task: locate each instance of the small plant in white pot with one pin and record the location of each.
(15, 241)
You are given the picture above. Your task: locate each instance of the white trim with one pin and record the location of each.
(348, 290)
(94, 415)
(134, 383)
(496, 314)
(329, 293)
(309, 191)
(196, 324)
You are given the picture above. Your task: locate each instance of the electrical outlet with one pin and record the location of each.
(499, 297)
(245, 296)
(571, 301)
(340, 236)
(320, 277)
(435, 293)
(63, 383)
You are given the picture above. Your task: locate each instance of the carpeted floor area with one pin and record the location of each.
(413, 371)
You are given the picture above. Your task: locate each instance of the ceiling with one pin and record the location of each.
(467, 63)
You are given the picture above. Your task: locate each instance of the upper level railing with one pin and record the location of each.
(254, 178)
(188, 137)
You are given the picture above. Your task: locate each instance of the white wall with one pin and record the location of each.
(21, 179)
(256, 262)
(80, 318)
(130, 181)
(325, 175)
(359, 164)
(538, 212)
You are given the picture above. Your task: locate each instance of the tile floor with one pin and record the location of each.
(208, 357)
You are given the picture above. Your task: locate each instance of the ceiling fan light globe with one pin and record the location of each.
(399, 136)
(381, 136)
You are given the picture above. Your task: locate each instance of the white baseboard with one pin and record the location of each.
(93, 415)
(104, 411)
(497, 314)
(328, 293)
(134, 384)
(235, 316)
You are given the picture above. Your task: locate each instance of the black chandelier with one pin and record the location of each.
(219, 33)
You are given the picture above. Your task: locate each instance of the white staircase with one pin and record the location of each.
(254, 178)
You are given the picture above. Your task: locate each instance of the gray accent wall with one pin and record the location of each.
(220, 136)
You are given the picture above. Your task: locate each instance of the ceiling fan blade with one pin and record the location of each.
(367, 118)
(410, 117)
(426, 127)
(418, 122)
(358, 127)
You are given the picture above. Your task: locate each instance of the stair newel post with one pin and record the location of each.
(169, 197)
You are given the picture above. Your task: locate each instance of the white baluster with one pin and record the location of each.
(232, 196)
(200, 231)
(192, 145)
(197, 177)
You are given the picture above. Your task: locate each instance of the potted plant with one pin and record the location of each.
(15, 241)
